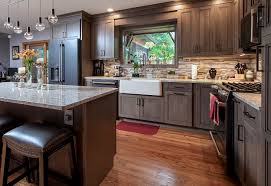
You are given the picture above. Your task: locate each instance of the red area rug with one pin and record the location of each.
(137, 128)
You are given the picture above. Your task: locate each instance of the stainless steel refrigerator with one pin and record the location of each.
(63, 62)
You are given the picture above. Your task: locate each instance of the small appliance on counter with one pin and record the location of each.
(194, 72)
(98, 68)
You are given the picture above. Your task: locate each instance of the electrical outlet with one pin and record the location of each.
(68, 117)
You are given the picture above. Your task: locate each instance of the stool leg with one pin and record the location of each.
(43, 171)
(74, 163)
(4, 165)
(27, 169)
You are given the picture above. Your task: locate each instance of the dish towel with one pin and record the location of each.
(214, 111)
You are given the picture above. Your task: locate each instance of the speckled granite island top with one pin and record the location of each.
(251, 99)
(57, 97)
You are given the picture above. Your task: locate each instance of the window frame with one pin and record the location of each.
(122, 48)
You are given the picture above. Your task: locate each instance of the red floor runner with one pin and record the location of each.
(137, 128)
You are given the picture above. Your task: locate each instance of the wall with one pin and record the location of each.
(18, 40)
(225, 67)
(4, 50)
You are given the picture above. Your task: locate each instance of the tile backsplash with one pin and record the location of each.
(225, 67)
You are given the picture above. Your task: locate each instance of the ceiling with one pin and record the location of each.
(66, 6)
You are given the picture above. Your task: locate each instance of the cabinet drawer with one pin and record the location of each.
(250, 115)
(179, 87)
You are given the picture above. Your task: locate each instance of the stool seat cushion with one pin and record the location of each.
(7, 123)
(36, 138)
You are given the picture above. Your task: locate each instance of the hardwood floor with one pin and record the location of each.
(171, 157)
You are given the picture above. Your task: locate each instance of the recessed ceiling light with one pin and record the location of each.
(110, 10)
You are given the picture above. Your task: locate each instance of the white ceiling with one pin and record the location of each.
(66, 6)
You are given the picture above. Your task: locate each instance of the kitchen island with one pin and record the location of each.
(90, 112)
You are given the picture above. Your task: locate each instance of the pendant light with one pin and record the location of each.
(18, 29)
(53, 18)
(28, 35)
(8, 25)
(40, 26)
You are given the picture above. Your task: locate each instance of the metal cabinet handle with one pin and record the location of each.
(260, 17)
(180, 94)
(249, 115)
(137, 102)
(142, 102)
(238, 133)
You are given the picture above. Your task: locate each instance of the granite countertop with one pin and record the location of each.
(57, 97)
(251, 99)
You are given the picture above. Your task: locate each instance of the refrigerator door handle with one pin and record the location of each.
(59, 65)
(63, 62)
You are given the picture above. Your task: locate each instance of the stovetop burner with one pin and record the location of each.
(243, 87)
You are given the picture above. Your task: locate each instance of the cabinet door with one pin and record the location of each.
(239, 156)
(250, 148)
(178, 108)
(267, 18)
(187, 32)
(152, 108)
(74, 29)
(129, 106)
(223, 29)
(99, 40)
(205, 31)
(246, 7)
(109, 39)
(59, 31)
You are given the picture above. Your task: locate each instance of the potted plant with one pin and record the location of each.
(27, 57)
(135, 65)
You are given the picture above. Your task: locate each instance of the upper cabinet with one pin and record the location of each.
(205, 30)
(223, 28)
(67, 29)
(104, 37)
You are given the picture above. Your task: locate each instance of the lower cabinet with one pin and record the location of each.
(148, 108)
(246, 144)
(178, 108)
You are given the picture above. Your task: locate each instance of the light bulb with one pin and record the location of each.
(40, 26)
(53, 18)
(8, 25)
(17, 29)
(28, 35)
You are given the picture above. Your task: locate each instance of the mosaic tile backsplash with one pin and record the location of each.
(225, 68)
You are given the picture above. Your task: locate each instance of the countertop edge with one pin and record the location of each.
(247, 101)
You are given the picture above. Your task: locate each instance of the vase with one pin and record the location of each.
(212, 73)
(40, 77)
(29, 76)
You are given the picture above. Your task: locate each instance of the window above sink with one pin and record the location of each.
(150, 45)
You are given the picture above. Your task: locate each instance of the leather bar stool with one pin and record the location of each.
(37, 141)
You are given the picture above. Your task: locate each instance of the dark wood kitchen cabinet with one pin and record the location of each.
(178, 104)
(223, 28)
(266, 30)
(178, 108)
(152, 108)
(201, 96)
(206, 30)
(105, 40)
(67, 29)
(129, 106)
(147, 108)
(247, 153)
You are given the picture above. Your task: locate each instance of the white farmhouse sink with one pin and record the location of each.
(148, 87)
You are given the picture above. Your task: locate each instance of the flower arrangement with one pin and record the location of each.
(27, 57)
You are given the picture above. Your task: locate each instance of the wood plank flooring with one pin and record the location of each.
(169, 158)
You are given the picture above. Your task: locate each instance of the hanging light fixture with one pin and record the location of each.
(8, 25)
(53, 18)
(40, 26)
(28, 35)
(18, 29)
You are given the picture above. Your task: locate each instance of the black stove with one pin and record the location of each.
(243, 87)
